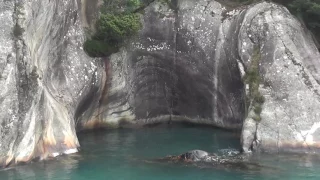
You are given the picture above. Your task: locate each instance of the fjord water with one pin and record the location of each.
(127, 154)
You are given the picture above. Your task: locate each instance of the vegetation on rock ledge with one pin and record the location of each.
(309, 12)
(255, 99)
(118, 21)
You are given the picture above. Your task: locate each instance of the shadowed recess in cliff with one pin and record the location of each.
(171, 73)
(189, 61)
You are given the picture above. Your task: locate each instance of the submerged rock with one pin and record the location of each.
(203, 156)
(202, 159)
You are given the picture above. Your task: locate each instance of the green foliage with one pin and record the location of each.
(133, 4)
(257, 118)
(258, 109)
(245, 2)
(253, 79)
(237, 3)
(306, 10)
(96, 48)
(252, 76)
(117, 22)
(117, 27)
(121, 6)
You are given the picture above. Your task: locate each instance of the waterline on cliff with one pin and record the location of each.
(131, 153)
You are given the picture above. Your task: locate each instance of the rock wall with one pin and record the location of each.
(190, 63)
(174, 71)
(44, 75)
(199, 62)
(290, 75)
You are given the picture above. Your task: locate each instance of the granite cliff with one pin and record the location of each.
(254, 68)
(44, 77)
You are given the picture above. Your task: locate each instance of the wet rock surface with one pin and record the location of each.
(203, 159)
(203, 156)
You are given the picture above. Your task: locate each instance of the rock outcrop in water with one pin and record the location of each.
(193, 61)
(289, 67)
(44, 77)
(203, 159)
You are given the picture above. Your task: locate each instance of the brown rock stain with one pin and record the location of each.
(9, 159)
(49, 138)
(96, 120)
(70, 141)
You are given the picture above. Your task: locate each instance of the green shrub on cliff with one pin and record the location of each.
(97, 48)
(117, 27)
(308, 11)
(116, 6)
(117, 22)
(255, 99)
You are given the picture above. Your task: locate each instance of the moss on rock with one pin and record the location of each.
(254, 98)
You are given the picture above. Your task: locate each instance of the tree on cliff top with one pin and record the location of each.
(308, 11)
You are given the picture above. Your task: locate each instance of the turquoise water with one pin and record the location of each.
(126, 154)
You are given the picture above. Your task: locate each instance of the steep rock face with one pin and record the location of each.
(192, 62)
(189, 63)
(289, 67)
(172, 72)
(44, 77)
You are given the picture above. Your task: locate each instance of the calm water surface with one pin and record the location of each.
(128, 155)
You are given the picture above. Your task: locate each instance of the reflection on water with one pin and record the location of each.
(41, 170)
(130, 154)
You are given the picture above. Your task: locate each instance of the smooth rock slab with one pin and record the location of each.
(44, 77)
(290, 71)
